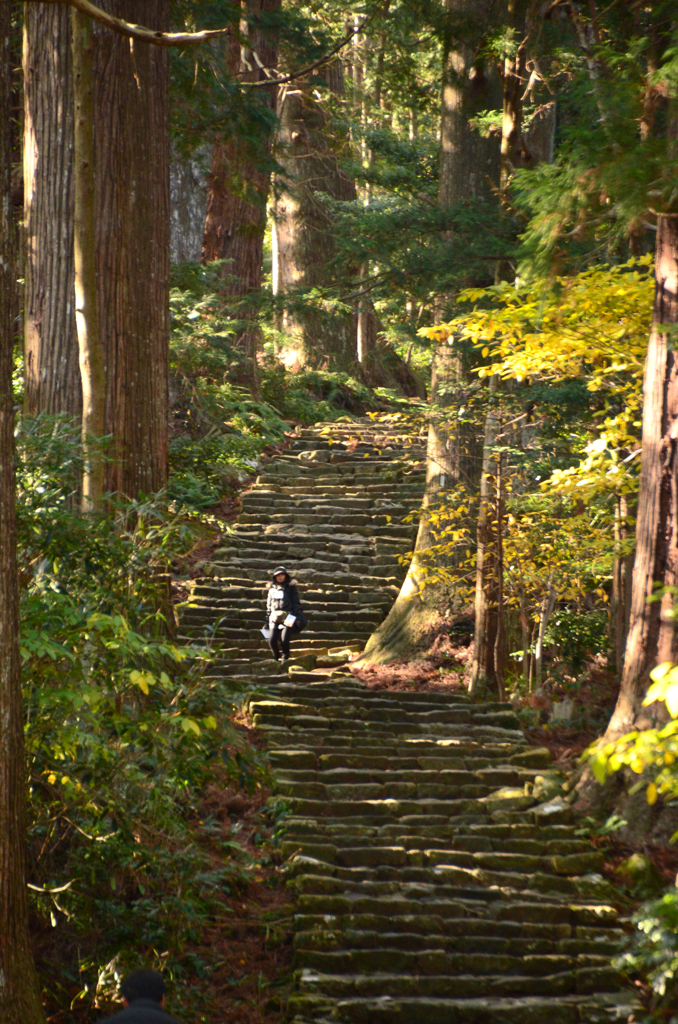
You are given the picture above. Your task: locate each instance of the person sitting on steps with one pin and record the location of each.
(284, 614)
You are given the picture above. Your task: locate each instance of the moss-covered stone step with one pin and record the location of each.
(398, 973)
(569, 1009)
(463, 934)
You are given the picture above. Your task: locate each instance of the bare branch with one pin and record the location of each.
(144, 35)
(148, 35)
(304, 71)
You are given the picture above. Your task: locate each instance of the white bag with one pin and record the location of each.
(266, 633)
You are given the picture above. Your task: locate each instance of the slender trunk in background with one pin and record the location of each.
(367, 323)
(131, 92)
(188, 202)
(92, 368)
(622, 569)
(653, 637)
(239, 184)
(303, 228)
(513, 86)
(547, 606)
(419, 605)
(487, 650)
(20, 1001)
(50, 339)
(584, 27)
(526, 633)
(499, 641)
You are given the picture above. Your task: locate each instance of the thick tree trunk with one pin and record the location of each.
(20, 1001)
(420, 606)
(653, 637)
(132, 185)
(235, 221)
(303, 229)
(132, 225)
(50, 340)
(467, 160)
(92, 368)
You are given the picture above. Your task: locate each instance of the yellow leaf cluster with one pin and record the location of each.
(593, 326)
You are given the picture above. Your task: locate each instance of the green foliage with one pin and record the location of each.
(651, 956)
(578, 635)
(310, 396)
(646, 752)
(123, 728)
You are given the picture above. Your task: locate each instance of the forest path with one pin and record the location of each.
(435, 880)
(330, 509)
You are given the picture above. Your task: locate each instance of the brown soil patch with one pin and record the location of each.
(439, 669)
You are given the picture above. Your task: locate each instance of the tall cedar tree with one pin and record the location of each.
(466, 160)
(239, 181)
(52, 379)
(303, 243)
(131, 121)
(20, 1001)
(653, 637)
(131, 99)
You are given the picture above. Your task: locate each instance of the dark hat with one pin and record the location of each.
(143, 985)
(281, 568)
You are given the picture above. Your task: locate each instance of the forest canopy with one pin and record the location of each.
(233, 219)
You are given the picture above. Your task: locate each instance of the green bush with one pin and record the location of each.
(123, 729)
(651, 956)
(578, 635)
(310, 396)
(203, 470)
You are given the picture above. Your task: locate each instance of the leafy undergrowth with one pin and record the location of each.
(232, 964)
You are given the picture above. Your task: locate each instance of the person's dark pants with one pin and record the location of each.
(280, 637)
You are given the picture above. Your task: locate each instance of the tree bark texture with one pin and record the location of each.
(653, 638)
(188, 203)
(420, 606)
(20, 1001)
(622, 571)
(50, 338)
(92, 367)
(466, 159)
(131, 129)
(132, 190)
(239, 181)
(303, 229)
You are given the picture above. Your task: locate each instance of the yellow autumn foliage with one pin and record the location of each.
(646, 750)
(593, 326)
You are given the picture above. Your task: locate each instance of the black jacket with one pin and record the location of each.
(142, 1011)
(284, 597)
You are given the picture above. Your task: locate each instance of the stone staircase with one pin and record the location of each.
(434, 883)
(438, 876)
(330, 509)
